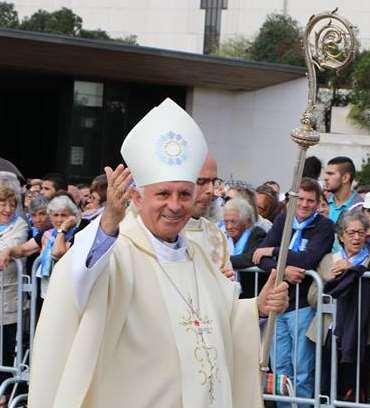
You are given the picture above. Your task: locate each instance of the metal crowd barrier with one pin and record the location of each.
(25, 291)
(325, 304)
(334, 361)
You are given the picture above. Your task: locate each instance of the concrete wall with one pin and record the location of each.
(340, 123)
(179, 24)
(169, 24)
(345, 139)
(357, 147)
(248, 132)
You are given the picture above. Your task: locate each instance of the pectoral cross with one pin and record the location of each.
(212, 23)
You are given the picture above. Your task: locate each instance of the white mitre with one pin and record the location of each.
(166, 145)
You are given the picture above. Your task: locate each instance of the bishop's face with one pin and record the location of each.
(165, 207)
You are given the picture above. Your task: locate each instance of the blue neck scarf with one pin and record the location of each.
(47, 262)
(357, 259)
(12, 221)
(34, 231)
(298, 227)
(238, 247)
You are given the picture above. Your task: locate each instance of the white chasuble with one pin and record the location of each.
(198, 336)
(125, 342)
(211, 239)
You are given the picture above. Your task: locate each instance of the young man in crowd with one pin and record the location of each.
(312, 238)
(52, 183)
(339, 175)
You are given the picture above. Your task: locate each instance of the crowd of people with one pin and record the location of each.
(244, 227)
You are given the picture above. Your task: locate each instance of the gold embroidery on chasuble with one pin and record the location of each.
(206, 233)
(216, 244)
(204, 354)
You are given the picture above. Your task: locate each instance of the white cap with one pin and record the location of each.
(166, 145)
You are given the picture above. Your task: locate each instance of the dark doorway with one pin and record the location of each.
(69, 125)
(30, 117)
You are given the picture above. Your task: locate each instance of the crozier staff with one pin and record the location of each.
(148, 320)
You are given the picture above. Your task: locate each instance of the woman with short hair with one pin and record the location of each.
(342, 271)
(243, 239)
(64, 216)
(13, 231)
(38, 215)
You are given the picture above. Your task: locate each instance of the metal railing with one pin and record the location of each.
(22, 292)
(325, 305)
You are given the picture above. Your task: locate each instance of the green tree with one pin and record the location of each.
(94, 34)
(235, 47)
(8, 15)
(65, 21)
(360, 95)
(129, 39)
(62, 21)
(363, 176)
(279, 40)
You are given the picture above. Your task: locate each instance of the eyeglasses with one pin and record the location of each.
(216, 182)
(7, 204)
(352, 233)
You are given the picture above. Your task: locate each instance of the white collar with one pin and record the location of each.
(167, 251)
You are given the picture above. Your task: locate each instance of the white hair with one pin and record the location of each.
(241, 206)
(61, 203)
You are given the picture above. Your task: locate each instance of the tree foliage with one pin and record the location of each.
(8, 15)
(63, 21)
(129, 39)
(360, 95)
(363, 176)
(279, 40)
(94, 34)
(235, 47)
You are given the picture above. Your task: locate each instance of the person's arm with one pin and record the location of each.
(61, 246)
(102, 243)
(244, 260)
(91, 249)
(263, 256)
(28, 248)
(318, 245)
(18, 251)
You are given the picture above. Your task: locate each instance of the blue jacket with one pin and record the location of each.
(320, 239)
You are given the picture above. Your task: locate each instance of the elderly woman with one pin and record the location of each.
(249, 195)
(341, 271)
(64, 216)
(243, 238)
(39, 217)
(13, 231)
(40, 222)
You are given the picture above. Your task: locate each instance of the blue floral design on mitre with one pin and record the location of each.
(172, 148)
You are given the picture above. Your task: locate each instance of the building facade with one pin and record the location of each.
(181, 24)
(68, 103)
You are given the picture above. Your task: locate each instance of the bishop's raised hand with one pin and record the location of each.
(118, 195)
